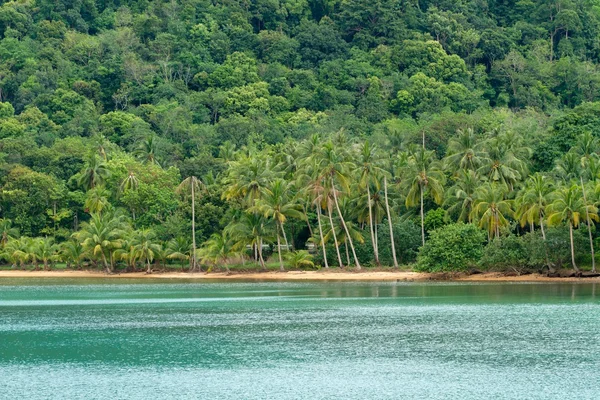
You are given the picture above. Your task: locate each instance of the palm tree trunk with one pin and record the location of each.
(587, 218)
(307, 221)
(194, 263)
(337, 206)
(572, 247)
(105, 263)
(148, 271)
(542, 227)
(321, 233)
(373, 241)
(279, 251)
(335, 242)
(422, 217)
(389, 215)
(347, 252)
(285, 241)
(260, 256)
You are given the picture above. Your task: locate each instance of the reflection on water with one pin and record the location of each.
(62, 339)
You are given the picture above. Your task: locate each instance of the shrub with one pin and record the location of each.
(508, 252)
(454, 247)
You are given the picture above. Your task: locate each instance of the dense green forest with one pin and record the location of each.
(441, 134)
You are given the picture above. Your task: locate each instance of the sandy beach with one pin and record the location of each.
(301, 276)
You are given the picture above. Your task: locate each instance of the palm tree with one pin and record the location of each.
(7, 231)
(130, 183)
(299, 259)
(461, 196)
(179, 249)
(97, 200)
(334, 167)
(71, 251)
(16, 251)
(464, 152)
(389, 217)
(425, 176)
(568, 206)
(568, 167)
(194, 185)
(101, 235)
(145, 246)
(45, 250)
(588, 223)
(220, 248)
(278, 204)
(146, 149)
(253, 230)
(94, 173)
(491, 208)
(533, 200)
(369, 172)
(504, 163)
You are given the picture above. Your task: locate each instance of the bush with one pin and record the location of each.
(454, 247)
(508, 252)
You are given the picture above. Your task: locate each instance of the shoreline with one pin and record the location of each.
(363, 276)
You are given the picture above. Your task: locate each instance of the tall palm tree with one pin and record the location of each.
(97, 200)
(568, 206)
(492, 207)
(504, 163)
(277, 203)
(194, 185)
(94, 173)
(369, 172)
(146, 149)
(253, 230)
(389, 217)
(568, 167)
(130, 183)
(334, 167)
(425, 176)
(102, 234)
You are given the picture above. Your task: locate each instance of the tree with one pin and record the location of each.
(179, 248)
(7, 231)
(194, 185)
(533, 200)
(145, 246)
(278, 204)
(424, 177)
(568, 206)
(491, 208)
(465, 152)
(94, 173)
(102, 234)
(220, 248)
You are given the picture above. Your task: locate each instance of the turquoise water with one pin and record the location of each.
(95, 339)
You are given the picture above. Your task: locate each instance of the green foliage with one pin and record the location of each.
(452, 248)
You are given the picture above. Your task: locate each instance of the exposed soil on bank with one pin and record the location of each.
(304, 276)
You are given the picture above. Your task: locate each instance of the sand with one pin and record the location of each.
(300, 276)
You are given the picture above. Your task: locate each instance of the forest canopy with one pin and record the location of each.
(295, 123)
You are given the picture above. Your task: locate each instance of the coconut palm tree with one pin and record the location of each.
(465, 152)
(179, 249)
(94, 173)
(7, 231)
(369, 172)
(97, 200)
(45, 251)
(146, 149)
(219, 249)
(277, 203)
(425, 176)
(101, 235)
(533, 200)
(145, 246)
(491, 207)
(253, 230)
(194, 185)
(71, 252)
(567, 207)
(568, 167)
(334, 167)
(461, 196)
(299, 259)
(504, 163)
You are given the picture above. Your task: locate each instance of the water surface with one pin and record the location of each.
(97, 339)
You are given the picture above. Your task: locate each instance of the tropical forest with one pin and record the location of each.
(233, 135)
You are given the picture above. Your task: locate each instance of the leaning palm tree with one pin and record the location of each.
(568, 206)
(334, 167)
(278, 203)
(219, 249)
(194, 185)
(425, 176)
(492, 207)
